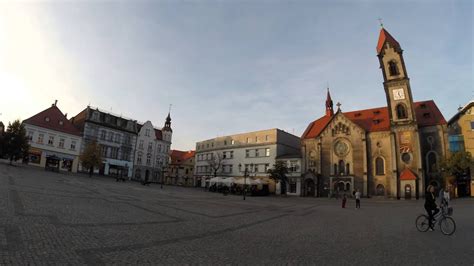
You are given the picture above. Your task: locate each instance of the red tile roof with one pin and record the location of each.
(55, 116)
(181, 156)
(407, 174)
(378, 119)
(383, 37)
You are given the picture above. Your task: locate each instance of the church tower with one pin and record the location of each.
(166, 130)
(396, 81)
(329, 106)
(403, 124)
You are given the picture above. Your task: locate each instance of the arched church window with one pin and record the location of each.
(341, 167)
(347, 169)
(335, 169)
(401, 111)
(432, 162)
(379, 166)
(392, 68)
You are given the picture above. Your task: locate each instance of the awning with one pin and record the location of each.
(60, 155)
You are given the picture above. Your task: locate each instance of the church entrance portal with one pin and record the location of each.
(309, 188)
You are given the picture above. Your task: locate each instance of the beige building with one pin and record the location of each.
(181, 168)
(54, 141)
(391, 151)
(255, 151)
(461, 137)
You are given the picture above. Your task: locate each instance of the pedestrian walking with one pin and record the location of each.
(357, 195)
(344, 200)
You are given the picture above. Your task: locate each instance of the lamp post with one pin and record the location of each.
(245, 178)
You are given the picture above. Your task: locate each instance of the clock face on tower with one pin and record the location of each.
(398, 94)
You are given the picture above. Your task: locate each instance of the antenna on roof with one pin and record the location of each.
(380, 21)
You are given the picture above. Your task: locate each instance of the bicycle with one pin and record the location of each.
(447, 225)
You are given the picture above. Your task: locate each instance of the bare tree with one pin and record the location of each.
(216, 163)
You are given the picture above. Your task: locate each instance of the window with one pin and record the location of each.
(114, 153)
(73, 145)
(267, 152)
(456, 143)
(232, 142)
(111, 136)
(256, 139)
(247, 153)
(224, 155)
(248, 140)
(401, 111)
(266, 137)
(125, 155)
(148, 159)
(341, 167)
(61, 143)
(147, 132)
(432, 162)
(266, 167)
(139, 158)
(257, 153)
(292, 187)
(348, 169)
(230, 168)
(231, 154)
(379, 166)
(256, 168)
(472, 125)
(225, 142)
(150, 146)
(335, 169)
(30, 135)
(40, 138)
(103, 151)
(51, 140)
(159, 147)
(140, 145)
(127, 139)
(392, 68)
(102, 134)
(46, 119)
(117, 138)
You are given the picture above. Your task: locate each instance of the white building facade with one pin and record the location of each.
(152, 151)
(255, 151)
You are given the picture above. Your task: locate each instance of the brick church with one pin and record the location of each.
(392, 151)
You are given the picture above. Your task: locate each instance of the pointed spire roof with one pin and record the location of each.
(384, 36)
(167, 126)
(329, 105)
(407, 174)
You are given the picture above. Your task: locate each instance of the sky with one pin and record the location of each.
(226, 67)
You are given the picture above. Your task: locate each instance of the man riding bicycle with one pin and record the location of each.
(430, 205)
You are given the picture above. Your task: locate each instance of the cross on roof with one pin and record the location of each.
(338, 104)
(380, 21)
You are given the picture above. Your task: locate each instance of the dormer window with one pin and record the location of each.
(392, 68)
(46, 119)
(61, 123)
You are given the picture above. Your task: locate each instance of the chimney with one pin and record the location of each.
(65, 115)
(55, 102)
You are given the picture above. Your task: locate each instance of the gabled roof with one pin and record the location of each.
(378, 119)
(461, 111)
(407, 174)
(181, 156)
(53, 119)
(384, 36)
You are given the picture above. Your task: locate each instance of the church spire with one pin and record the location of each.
(384, 37)
(329, 106)
(168, 123)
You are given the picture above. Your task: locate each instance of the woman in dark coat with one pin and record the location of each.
(430, 204)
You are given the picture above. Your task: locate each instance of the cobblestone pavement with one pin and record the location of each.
(48, 218)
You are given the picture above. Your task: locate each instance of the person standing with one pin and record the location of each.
(357, 196)
(344, 200)
(430, 205)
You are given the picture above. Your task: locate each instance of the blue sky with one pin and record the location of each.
(227, 66)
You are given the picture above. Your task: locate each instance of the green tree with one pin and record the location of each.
(278, 173)
(457, 164)
(15, 142)
(91, 157)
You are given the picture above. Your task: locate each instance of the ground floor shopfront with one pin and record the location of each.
(53, 160)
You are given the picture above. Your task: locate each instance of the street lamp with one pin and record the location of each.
(245, 178)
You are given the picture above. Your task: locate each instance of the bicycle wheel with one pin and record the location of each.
(422, 223)
(447, 225)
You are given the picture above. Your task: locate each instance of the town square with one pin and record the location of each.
(236, 132)
(60, 219)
